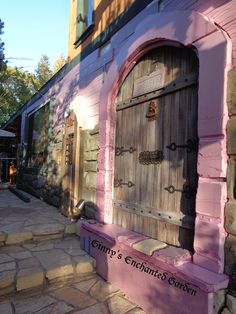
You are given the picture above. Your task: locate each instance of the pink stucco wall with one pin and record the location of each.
(214, 52)
(96, 80)
(209, 26)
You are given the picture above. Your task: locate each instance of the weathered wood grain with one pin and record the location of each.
(176, 122)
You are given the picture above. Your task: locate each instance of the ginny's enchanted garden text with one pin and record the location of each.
(143, 267)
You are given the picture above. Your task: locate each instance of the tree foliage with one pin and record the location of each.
(2, 57)
(59, 63)
(43, 71)
(17, 88)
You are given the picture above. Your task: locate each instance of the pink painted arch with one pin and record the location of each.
(214, 53)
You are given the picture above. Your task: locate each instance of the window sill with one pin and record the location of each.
(84, 35)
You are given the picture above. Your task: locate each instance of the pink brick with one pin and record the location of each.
(105, 207)
(211, 198)
(105, 180)
(212, 158)
(105, 158)
(212, 110)
(209, 263)
(209, 240)
(106, 133)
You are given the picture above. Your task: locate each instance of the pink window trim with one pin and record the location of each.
(214, 53)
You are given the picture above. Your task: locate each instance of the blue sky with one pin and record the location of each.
(33, 28)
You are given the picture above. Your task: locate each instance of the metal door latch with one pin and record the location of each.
(190, 145)
(119, 151)
(187, 191)
(119, 182)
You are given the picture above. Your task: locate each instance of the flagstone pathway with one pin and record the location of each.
(42, 267)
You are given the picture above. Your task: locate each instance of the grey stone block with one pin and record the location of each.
(18, 237)
(226, 311)
(90, 180)
(231, 178)
(90, 166)
(117, 304)
(2, 236)
(219, 301)
(231, 303)
(56, 262)
(98, 308)
(103, 290)
(46, 229)
(74, 297)
(231, 91)
(6, 308)
(78, 226)
(7, 278)
(92, 155)
(41, 182)
(32, 305)
(231, 136)
(230, 253)
(70, 229)
(55, 200)
(85, 264)
(29, 278)
(230, 217)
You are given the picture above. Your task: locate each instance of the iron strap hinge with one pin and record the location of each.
(190, 145)
(187, 190)
(119, 151)
(118, 183)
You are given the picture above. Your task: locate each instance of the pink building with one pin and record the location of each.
(141, 125)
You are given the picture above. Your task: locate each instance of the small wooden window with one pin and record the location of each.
(84, 19)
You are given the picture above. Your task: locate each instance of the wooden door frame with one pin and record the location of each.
(74, 192)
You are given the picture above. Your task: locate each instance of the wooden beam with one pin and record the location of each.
(179, 83)
(185, 221)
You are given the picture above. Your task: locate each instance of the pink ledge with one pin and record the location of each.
(212, 157)
(148, 281)
(174, 260)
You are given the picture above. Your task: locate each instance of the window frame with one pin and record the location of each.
(82, 32)
(30, 117)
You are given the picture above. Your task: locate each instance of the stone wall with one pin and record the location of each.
(230, 209)
(45, 182)
(38, 184)
(88, 164)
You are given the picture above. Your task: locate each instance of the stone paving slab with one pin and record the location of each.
(73, 297)
(31, 265)
(43, 269)
(6, 308)
(38, 221)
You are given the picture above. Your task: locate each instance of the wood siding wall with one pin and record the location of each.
(222, 12)
(105, 12)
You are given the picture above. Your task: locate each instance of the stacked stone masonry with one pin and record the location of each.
(88, 164)
(230, 209)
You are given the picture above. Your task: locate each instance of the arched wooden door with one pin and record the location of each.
(155, 176)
